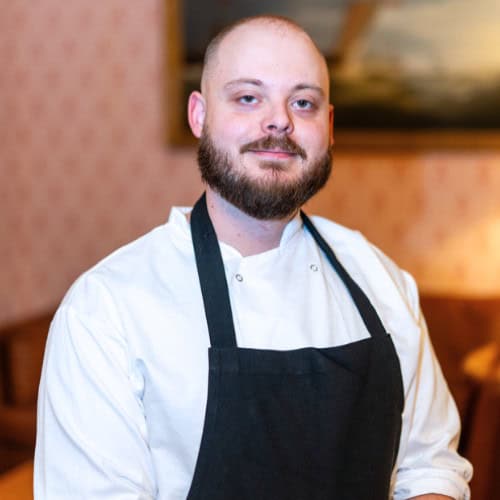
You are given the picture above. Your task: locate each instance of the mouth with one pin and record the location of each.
(274, 154)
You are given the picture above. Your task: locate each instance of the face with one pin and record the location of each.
(264, 120)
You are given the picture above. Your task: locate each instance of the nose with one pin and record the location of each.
(278, 121)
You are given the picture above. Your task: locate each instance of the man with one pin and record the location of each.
(229, 354)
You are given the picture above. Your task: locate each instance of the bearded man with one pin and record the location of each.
(243, 350)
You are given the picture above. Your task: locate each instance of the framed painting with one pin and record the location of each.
(403, 73)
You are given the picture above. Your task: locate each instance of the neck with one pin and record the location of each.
(248, 235)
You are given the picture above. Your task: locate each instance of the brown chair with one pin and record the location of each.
(21, 354)
(466, 336)
(483, 446)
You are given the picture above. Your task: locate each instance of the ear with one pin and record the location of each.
(331, 115)
(196, 113)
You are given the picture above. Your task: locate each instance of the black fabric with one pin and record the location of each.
(304, 424)
(212, 277)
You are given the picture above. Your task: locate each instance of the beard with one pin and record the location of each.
(262, 198)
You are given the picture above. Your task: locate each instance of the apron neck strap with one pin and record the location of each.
(366, 310)
(212, 277)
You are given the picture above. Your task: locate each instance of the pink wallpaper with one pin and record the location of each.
(436, 213)
(84, 166)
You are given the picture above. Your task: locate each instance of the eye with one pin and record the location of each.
(303, 104)
(247, 99)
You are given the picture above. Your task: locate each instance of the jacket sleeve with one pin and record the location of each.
(428, 460)
(92, 437)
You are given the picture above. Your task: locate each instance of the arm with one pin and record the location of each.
(427, 462)
(92, 437)
(428, 466)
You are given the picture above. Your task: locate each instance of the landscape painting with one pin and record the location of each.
(399, 67)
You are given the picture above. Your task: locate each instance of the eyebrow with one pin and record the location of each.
(308, 86)
(240, 81)
(260, 83)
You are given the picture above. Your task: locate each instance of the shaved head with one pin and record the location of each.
(279, 23)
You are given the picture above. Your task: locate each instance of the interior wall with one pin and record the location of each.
(436, 213)
(84, 166)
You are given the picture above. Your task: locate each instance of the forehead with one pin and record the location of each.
(276, 54)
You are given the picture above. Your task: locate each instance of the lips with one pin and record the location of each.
(275, 153)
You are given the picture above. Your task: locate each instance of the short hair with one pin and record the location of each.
(214, 44)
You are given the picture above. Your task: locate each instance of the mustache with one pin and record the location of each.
(283, 143)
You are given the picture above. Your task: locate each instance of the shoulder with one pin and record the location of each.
(130, 275)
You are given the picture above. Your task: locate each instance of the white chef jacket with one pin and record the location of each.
(124, 382)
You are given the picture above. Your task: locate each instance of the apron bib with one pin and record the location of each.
(303, 424)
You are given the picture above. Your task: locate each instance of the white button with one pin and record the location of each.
(239, 277)
(313, 267)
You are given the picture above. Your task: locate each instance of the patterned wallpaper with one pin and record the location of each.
(84, 167)
(436, 213)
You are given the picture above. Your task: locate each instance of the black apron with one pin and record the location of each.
(303, 424)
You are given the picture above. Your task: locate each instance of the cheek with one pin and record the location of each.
(314, 136)
(232, 131)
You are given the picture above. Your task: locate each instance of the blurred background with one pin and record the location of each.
(94, 152)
